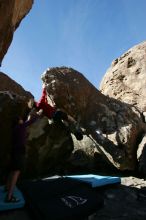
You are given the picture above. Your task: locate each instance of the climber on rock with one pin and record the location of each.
(57, 115)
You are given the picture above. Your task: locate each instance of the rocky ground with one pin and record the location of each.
(126, 201)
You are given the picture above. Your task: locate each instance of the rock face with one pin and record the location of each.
(125, 80)
(48, 148)
(9, 85)
(11, 14)
(115, 127)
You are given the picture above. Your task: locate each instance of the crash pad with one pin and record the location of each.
(97, 180)
(11, 205)
(61, 198)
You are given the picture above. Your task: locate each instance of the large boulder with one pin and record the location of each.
(11, 14)
(114, 128)
(125, 81)
(8, 85)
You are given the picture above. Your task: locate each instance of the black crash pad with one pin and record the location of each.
(61, 199)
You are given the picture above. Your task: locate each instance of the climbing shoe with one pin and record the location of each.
(78, 134)
(13, 199)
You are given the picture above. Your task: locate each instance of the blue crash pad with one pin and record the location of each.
(97, 180)
(11, 205)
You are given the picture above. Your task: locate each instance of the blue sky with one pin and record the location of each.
(86, 35)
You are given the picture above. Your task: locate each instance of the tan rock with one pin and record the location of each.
(112, 125)
(11, 14)
(8, 85)
(125, 80)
